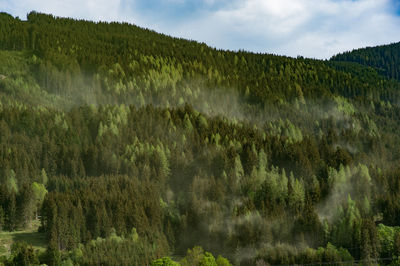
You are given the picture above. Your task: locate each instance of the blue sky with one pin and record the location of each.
(311, 28)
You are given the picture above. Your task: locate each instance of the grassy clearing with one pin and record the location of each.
(30, 236)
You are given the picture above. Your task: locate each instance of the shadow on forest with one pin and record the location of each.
(36, 239)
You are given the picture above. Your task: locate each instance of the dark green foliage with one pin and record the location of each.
(96, 206)
(113, 251)
(195, 256)
(284, 255)
(384, 59)
(22, 254)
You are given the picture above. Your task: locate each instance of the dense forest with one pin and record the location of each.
(136, 148)
(385, 59)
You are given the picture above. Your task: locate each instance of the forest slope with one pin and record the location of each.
(131, 145)
(385, 59)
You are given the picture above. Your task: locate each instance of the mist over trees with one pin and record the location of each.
(136, 148)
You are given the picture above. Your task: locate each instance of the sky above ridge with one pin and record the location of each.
(310, 28)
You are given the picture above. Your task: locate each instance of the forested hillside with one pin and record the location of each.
(136, 148)
(385, 59)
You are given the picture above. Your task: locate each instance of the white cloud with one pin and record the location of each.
(104, 10)
(260, 16)
(312, 28)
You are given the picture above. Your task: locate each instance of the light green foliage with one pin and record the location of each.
(187, 123)
(68, 262)
(339, 181)
(113, 129)
(12, 184)
(208, 260)
(332, 252)
(370, 126)
(20, 83)
(181, 101)
(262, 161)
(387, 236)
(39, 192)
(237, 171)
(202, 121)
(363, 184)
(285, 128)
(134, 235)
(59, 120)
(216, 139)
(77, 254)
(166, 261)
(165, 74)
(354, 182)
(366, 206)
(347, 225)
(261, 174)
(221, 261)
(297, 195)
(193, 257)
(116, 72)
(197, 257)
(344, 106)
(284, 253)
(116, 116)
(43, 177)
(113, 236)
(101, 130)
(163, 161)
(277, 183)
(159, 154)
(351, 212)
(140, 100)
